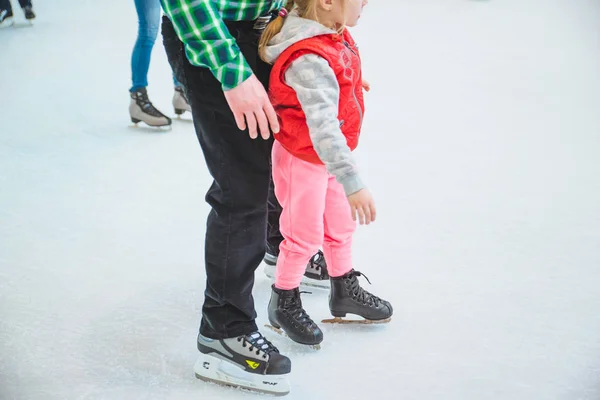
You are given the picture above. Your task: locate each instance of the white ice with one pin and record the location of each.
(481, 146)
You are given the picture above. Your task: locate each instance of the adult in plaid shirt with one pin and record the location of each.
(226, 83)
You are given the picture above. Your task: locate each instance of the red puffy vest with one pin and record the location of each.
(341, 53)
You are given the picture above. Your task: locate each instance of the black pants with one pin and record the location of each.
(236, 230)
(5, 4)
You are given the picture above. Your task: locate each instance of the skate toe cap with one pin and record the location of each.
(317, 336)
(389, 307)
(383, 311)
(278, 364)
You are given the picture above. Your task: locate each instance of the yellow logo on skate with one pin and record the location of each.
(253, 364)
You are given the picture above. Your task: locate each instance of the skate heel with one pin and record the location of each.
(274, 325)
(179, 111)
(338, 314)
(135, 120)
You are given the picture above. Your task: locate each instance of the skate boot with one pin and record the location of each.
(286, 315)
(29, 14)
(142, 110)
(347, 297)
(271, 255)
(250, 362)
(316, 270)
(180, 102)
(6, 18)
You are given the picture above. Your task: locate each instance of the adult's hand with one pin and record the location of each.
(250, 105)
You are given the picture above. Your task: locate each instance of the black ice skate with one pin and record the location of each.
(142, 110)
(316, 270)
(287, 316)
(250, 362)
(180, 102)
(347, 297)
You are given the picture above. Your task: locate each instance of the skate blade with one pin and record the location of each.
(9, 22)
(21, 25)
(281, 332)
(339, 320)
(151, 128)
(239, 386)
(312, 283)
(184, 118)
(224, 373)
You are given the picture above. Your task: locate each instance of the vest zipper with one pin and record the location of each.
(360, 112)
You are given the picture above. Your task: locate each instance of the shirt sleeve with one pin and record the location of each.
(208, 42)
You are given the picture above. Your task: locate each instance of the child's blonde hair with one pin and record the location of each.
(306, 9)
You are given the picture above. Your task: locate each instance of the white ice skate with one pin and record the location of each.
(249, 362)
(142, 110)
(180, 102)
(6, 19)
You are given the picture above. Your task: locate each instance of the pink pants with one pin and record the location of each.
(315, 213)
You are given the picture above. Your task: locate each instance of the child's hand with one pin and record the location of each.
(366, 85)
(362, 203)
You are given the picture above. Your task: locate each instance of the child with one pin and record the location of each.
(316, 88)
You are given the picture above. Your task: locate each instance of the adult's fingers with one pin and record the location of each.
(272, 117)
(240, 120)
(263, 124)
(251, 122)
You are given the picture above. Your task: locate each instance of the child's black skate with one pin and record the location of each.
(316, 270)
(347, 297)
(29, 14)
(142, 110)
(286, 315)
(249, 362)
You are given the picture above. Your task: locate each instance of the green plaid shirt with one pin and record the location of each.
(208, 43)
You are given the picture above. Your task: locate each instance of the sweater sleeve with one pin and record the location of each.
(318, 91)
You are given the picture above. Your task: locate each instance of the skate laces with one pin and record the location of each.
(293, 304)
(141, 98)
(257, 341)
(359, 293)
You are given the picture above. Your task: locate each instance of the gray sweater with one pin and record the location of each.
(318, 92)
